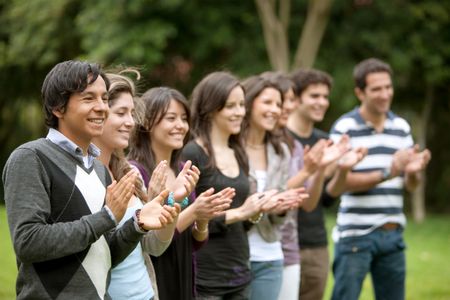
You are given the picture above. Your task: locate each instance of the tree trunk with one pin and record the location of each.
(313, 31)
(418, 196)
(275, 32)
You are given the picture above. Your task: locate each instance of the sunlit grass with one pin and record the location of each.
(428, 264)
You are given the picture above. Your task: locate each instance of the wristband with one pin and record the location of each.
(385, 174)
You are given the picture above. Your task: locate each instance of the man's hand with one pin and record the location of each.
(155, 215)
(185, 182)
(332, 152)
(312, 156)
(352, 158)
(118, 194)
(418, 162)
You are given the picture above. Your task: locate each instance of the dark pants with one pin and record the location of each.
(381, 253)
(241, 294)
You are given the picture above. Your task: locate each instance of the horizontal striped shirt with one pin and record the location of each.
(362, 212)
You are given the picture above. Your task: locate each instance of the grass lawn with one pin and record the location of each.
(428, 265)
(427, 262)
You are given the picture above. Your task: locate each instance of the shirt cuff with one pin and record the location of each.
(111, 215)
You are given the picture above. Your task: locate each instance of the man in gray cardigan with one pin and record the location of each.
(62, 208)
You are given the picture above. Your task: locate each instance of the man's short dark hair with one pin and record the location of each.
(303, 78)
(62, 81)
(367, 66)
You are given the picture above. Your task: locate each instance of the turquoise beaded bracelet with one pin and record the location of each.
(171, 201)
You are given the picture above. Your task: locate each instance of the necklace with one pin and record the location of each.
(253, 146)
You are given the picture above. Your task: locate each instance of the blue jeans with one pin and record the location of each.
(381, 253)
(267, 279)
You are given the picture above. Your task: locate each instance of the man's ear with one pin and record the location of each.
(58, 112)
(359, 94)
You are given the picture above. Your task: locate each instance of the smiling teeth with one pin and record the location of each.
(96, 121)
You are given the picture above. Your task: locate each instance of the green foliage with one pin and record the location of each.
(176, 42)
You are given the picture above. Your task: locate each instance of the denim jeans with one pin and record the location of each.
(381, 253)
(267, 278)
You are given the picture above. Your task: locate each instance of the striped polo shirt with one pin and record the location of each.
(362, 212)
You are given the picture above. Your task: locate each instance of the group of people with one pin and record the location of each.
(218, 197)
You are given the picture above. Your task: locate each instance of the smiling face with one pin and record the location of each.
(85, 114)
(290, 103)
(229, 118)
(170, 132)
(266, 109)
(314, 102)
(119, 124)
(376, 98)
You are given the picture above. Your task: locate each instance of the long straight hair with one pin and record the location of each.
(210, 96)
(152, 107)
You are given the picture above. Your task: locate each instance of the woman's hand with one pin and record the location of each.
(185, 182)
(155, 215)
(289, 199)
(158, 180)
(256, 203)
(208, 205)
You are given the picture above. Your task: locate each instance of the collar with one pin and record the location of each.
(62, 141)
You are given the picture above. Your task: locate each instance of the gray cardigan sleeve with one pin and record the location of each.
(27, 198)
(152, 245)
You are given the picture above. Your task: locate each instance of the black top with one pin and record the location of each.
(311, 225)
(173, 269)
(223, 263)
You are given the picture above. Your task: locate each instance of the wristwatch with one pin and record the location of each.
(385, 174)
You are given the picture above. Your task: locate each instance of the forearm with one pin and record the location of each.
(200, 230)
(359, 182)
(298, 180)
(186, 218)
(35, 241)
(123, 241)
(337, 185)
(166, 234)
(314, 190)
(235, 215)
(412, 181)
(153, 244)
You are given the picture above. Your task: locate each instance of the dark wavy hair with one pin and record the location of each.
(210, 96)
(65, 79)
(367, 66)
(151, 109)
(303, 78)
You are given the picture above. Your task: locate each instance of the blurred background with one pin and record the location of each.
(177, 42)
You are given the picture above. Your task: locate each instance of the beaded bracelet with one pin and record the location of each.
(140, 224)
(171, 201)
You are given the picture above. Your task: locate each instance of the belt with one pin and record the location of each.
(390, 226)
